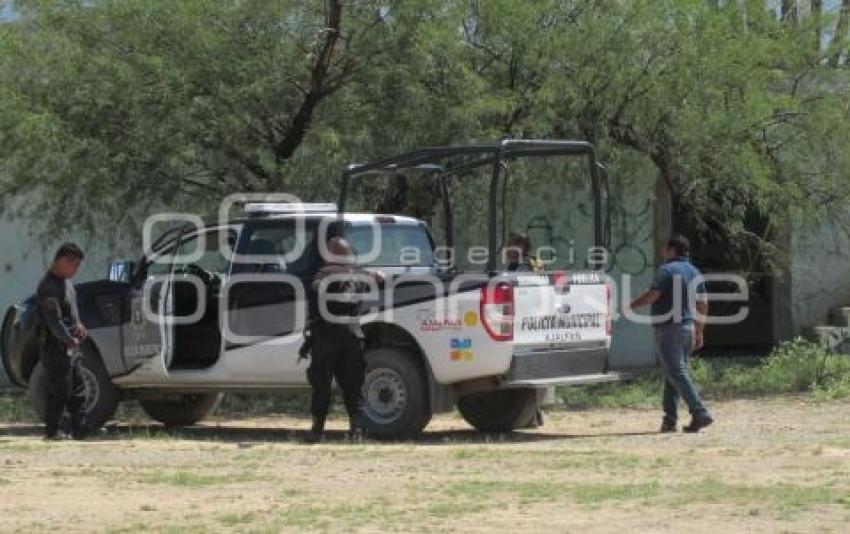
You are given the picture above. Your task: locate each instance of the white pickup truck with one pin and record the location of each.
(489, 343)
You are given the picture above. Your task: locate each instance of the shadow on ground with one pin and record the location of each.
(249, 435)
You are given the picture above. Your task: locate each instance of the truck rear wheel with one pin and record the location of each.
(180, 410)
(396, 394)
(100, 394)
(502, 410)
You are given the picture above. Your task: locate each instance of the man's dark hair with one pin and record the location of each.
(680, 244)
(69, 250)
(521, 241)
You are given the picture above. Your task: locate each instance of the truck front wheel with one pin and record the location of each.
(502, 410)
(396, 394)
(180, 410)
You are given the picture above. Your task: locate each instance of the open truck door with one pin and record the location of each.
(148, 334)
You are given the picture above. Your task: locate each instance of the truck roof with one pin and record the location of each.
(348, 217)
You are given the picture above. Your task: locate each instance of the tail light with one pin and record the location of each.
(562, 282)
(497, 310)
(609, 313)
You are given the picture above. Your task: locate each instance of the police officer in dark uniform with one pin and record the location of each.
(335, 338)
(60, 341)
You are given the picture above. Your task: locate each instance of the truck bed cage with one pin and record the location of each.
(447, 162)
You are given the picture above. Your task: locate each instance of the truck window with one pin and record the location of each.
(406, 245)
(211, 259)
(272, 242)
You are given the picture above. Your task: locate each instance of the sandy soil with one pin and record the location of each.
(767, 465)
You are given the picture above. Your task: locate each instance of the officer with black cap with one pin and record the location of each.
(60, 341)
(334, 337)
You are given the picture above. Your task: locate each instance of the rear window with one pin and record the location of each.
(400, 245)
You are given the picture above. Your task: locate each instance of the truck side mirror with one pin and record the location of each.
(121, 271)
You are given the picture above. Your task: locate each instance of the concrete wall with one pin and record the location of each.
(820, 272)
(638, 216)
(23, 261)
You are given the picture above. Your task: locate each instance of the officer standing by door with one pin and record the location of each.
(60, 341)
(335, 338)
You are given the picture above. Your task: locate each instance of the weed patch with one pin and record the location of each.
(15, 408)
(190, 479)
(793, 367)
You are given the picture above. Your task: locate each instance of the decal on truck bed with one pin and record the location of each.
(430, 322)
(461, 349)
(560, 322)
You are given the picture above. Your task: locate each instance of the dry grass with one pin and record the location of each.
(768, 465)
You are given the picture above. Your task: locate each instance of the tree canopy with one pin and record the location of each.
(113, 107)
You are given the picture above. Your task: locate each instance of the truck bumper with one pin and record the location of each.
(549, 367)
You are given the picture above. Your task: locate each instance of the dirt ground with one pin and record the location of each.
(767, 465)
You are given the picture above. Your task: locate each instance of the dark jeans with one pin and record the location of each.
(674, 344)
(63, 379)
(336, 353)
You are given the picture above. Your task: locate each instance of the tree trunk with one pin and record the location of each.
(788, 11)
(299, 122)
(816, 12)
(840, 35)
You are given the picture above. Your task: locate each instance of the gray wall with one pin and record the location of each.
(820, 272)
(23, 260)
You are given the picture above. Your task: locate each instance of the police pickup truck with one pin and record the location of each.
(220, 308)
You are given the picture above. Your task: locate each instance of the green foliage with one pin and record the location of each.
(127, 106)
(793, 367)
(796, 366)
(114, 108)
(15, 408)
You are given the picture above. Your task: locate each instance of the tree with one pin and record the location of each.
(742, 122)
(116, 106)
(127, 105)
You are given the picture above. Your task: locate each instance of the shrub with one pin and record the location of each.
(793, 367)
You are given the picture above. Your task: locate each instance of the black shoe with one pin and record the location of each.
(698, 422)
(317, 431)
(55, 436)
(314, 437)
(357, 425)
(356, 433)
(667, 426)
(83, 433)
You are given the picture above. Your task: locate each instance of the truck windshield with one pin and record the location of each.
(400, 245)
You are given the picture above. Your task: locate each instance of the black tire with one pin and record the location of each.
(101, 394)
(396, 394)
(181, 410)
(502, 410)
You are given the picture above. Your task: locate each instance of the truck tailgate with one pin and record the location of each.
(561, 325)
(560, 309)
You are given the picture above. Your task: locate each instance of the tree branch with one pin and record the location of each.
(299, 122)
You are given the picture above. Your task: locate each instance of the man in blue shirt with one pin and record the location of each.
(678, 318)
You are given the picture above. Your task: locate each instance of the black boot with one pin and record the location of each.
(667, 426)
(698, 422)
(79, 430)
(317, 431)
(357, 424)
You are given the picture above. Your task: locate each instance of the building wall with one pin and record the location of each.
(820, 272)
(23, 260)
